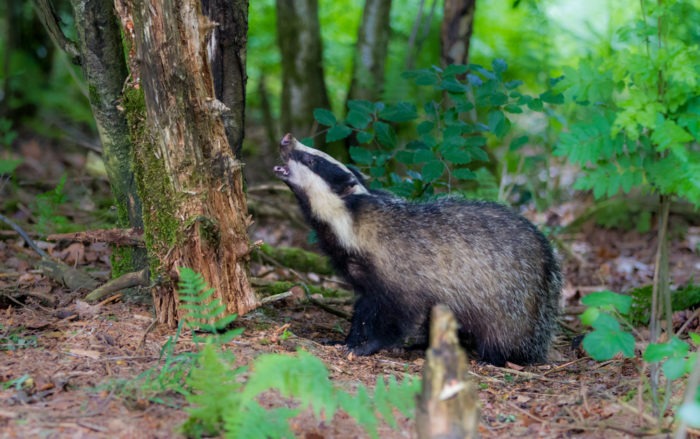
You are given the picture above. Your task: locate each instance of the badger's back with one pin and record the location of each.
(492, 267)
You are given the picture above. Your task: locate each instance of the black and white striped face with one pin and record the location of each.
(322, 185)
(314, 172)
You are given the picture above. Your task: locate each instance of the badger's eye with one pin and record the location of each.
(308, 160)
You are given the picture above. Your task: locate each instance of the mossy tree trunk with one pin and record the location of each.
(303, 83)
(370, 57)
(190, 182)
(102, 59)
(456, 31)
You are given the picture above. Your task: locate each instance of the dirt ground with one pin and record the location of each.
(61, 360)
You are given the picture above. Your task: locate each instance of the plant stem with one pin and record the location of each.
(661, 296)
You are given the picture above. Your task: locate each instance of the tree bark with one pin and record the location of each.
(372, 45)
(303, 83)
(227, 56)
(194, 208)
(448, 406)
(102, 56)
(456, 31)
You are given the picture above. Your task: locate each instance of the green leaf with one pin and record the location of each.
(512, 108)
(358, 119)
(607, 299)
(385, 134)
(324, 117)
(535, 104)
(517, 143)
(400, 112)
(674, 368)
(364, 137)
(338, 132)
(423, 155)
(360, 155)
(463, 174)
(690, 413)
(603, 345)
(425, 127)
(589, 316)
(432, 170)
(498, 124)
(457, 156)
(552, 98)
(695, 337)
(499, 65)
(7, 166)
(656, 352)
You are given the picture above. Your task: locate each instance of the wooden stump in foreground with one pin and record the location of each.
(448, 405)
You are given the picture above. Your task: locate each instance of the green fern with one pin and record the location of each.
(204, 311)
(220, 402)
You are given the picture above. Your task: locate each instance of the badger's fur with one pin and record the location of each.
(490, 266)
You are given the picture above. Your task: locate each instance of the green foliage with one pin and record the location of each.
(640, 109)
(607, 338)
(204, 311)
(604, 313)
(472, 107)
(12, 339)
(221, 403)
(686, 297)
(46, 208)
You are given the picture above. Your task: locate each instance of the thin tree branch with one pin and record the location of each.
(47, 15)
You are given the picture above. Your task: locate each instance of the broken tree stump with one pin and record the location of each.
(448, 406)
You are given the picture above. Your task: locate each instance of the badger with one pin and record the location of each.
(493, 268)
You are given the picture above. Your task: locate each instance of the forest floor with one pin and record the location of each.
(65, 366)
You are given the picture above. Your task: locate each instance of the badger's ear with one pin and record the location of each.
(360, 177)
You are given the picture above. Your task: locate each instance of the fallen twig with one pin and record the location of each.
(128, 280)
(120, 237)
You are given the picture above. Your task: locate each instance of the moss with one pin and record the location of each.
(161, 229)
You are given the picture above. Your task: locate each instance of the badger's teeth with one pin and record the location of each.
(281, 170)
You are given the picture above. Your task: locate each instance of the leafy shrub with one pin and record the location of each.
(451, 132)
(640, 109)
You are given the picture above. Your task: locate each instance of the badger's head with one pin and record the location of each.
(313, 172)
(323, 185)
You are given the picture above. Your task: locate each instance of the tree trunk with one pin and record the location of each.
(194, 208)
(227, 56)
(102, 56)
(372, 45)
(303, 83)
(456, 31)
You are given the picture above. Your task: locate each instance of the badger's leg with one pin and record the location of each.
(374, 326)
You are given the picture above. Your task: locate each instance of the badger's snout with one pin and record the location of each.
(286, 147)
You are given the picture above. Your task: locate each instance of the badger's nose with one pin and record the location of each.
(286, 146)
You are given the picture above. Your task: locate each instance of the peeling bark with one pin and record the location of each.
(372, 47)
(303, 83)
(195, 212)
(456, 31)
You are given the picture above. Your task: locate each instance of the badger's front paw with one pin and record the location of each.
(364, 348)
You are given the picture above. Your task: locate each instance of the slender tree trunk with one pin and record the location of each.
(456, 31)
(102, 56)
(303, 83)
(194, 208)
(227, 56)
(372, 45)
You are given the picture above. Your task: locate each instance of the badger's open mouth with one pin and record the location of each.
(281, 171)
